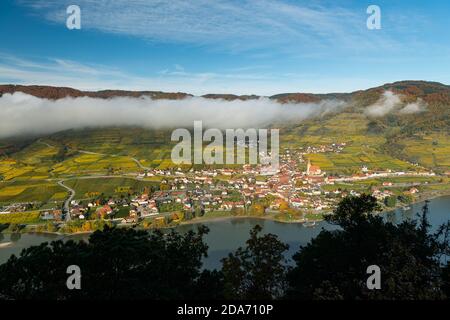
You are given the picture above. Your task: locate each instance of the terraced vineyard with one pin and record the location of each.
(31, 168)
(32, 173)
(108, 186)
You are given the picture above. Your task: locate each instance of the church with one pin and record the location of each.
(312, 170)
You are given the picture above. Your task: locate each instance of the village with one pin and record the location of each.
(298, 191)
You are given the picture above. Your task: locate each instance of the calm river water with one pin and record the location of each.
(228, 234)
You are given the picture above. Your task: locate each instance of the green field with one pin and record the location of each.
(23, 191)
(85, 188)
(430, 150)
(362, 149)
(31, 174)
(20, 217)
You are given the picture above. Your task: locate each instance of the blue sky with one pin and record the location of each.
(238, 46)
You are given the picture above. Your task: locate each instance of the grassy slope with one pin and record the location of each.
(109, 186)
(391, 142)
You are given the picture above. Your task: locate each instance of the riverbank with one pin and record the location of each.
(56, 233)
(420, 198)
(222, 216)
(5, 244)
(227, 233)
(430, 195)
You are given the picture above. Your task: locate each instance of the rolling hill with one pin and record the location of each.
(394, 141)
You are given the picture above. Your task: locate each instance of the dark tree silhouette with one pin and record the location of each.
(117, 263)
(124, 263)
(334, 264)
(256, 271)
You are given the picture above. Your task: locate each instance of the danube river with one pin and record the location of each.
(227, 235)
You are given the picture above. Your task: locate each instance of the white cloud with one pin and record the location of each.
(236, 25)
(385, 104)
(25, 114)
(414, 107)
(390, 102)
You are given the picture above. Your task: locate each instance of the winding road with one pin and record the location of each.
(68, 200)
(71, 191)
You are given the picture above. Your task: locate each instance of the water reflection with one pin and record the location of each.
(227, 235)
(391, 217)
(408, 215)
(15, 236)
